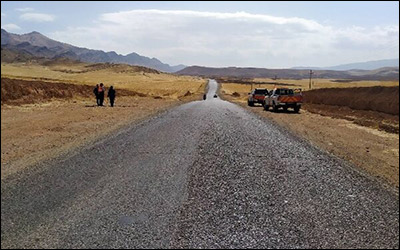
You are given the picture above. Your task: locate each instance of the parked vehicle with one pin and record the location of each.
(257, 96)
(284, 98)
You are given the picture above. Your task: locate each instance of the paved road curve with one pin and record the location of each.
(205, 174)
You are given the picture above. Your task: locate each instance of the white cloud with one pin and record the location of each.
(233, 39)
(24, 9)
(10, 27)
(37, 17)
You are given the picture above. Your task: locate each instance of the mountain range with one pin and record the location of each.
(387, 73)
(31, 46)
(35, 44)
(370, 65)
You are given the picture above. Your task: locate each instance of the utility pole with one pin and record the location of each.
(311, 73)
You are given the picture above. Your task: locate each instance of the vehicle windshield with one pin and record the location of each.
(261, 92)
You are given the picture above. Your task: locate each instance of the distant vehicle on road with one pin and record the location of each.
(284, 98)
(257, 96)
(215, 96)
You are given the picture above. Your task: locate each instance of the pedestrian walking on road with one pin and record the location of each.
(111, 95)
(101, 89)
(96, 93)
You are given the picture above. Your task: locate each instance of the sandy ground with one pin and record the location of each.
(373, 151)
(38, 132)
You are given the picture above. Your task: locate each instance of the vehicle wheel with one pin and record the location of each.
(266, 107)
(274, 107)
(297, 109)
(251, 104)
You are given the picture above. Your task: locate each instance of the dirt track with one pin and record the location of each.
(367, 118)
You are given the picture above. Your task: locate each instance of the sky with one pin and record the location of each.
(219, 34)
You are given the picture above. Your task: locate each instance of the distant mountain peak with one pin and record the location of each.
(35, 33)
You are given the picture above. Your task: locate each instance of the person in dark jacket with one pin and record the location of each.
(101, 89)
(96, 93)
(111, 95)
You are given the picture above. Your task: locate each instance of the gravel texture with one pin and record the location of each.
(207, 174)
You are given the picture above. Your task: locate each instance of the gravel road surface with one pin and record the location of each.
(207, 174)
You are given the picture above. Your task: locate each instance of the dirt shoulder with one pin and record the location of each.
(373, 151)
(367, 118)
(37, 132)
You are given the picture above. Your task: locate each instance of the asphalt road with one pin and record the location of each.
(207, 174)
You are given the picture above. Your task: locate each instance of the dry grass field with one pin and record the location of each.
(318, 83)
(139, 79)
(244, 88)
